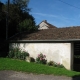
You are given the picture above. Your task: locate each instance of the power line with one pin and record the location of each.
(69, 4)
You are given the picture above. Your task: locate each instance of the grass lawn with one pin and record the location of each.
(18, 65)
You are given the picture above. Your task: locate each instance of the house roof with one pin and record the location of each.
(49, 25)
(52, 34)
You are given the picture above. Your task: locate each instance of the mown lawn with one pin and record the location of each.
(18, 65)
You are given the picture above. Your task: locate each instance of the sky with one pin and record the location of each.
(60, 13)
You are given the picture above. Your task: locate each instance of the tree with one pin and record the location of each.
(3, 46)
(1, 4)
(27, 22)
(19, 20)
(22, 4)
(2, 22)
(18, 13)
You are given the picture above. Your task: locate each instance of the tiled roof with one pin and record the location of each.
(50, 25)
(52, 34)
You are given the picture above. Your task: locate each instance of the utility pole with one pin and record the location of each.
(7, 19)
(7, 25)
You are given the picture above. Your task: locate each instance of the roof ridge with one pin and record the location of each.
(50, 25)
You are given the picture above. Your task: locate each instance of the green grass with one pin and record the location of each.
(18, 65)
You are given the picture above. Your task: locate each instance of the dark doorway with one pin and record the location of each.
(4, 48)
(77, 56)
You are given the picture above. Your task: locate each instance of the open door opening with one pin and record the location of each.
(76, 60)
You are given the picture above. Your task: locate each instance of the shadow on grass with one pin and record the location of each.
(77, 77)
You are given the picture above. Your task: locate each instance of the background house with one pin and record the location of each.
(45, 25)
(61, 45)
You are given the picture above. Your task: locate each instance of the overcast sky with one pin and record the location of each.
(61, 13)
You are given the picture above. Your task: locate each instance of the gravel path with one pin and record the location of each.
(13, 75)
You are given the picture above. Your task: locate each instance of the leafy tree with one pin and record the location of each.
(18, 15)
(27, 25)
(1, 6)
(19, 20)
(2, 22)
(22, 4)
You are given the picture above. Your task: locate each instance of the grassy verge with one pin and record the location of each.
(17, 65)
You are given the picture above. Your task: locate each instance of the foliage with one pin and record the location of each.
(16, 53)
(50, 63)
(18, 65)
(77, 56)
(41, 59)
(22, 4)
(18, 13)
(2, 22)
(58, 65)
(26, 25)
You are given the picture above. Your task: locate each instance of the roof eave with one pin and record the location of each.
(45, 41)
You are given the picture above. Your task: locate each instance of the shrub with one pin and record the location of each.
(16, 53)
(11, 53)
(50, 63)
(41, 59)
(23, 55)
(58, 65)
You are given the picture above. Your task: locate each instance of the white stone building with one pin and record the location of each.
(60, 45)
(45, 25)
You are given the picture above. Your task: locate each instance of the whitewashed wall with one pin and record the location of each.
(57, 52)
(43, 25)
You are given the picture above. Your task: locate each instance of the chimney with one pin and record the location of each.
(45, 20)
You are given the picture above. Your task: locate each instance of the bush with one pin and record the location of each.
(23, 55)
(16, 53)
(58, 65)
(41, 59)
(10, 54)
(50, 63)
